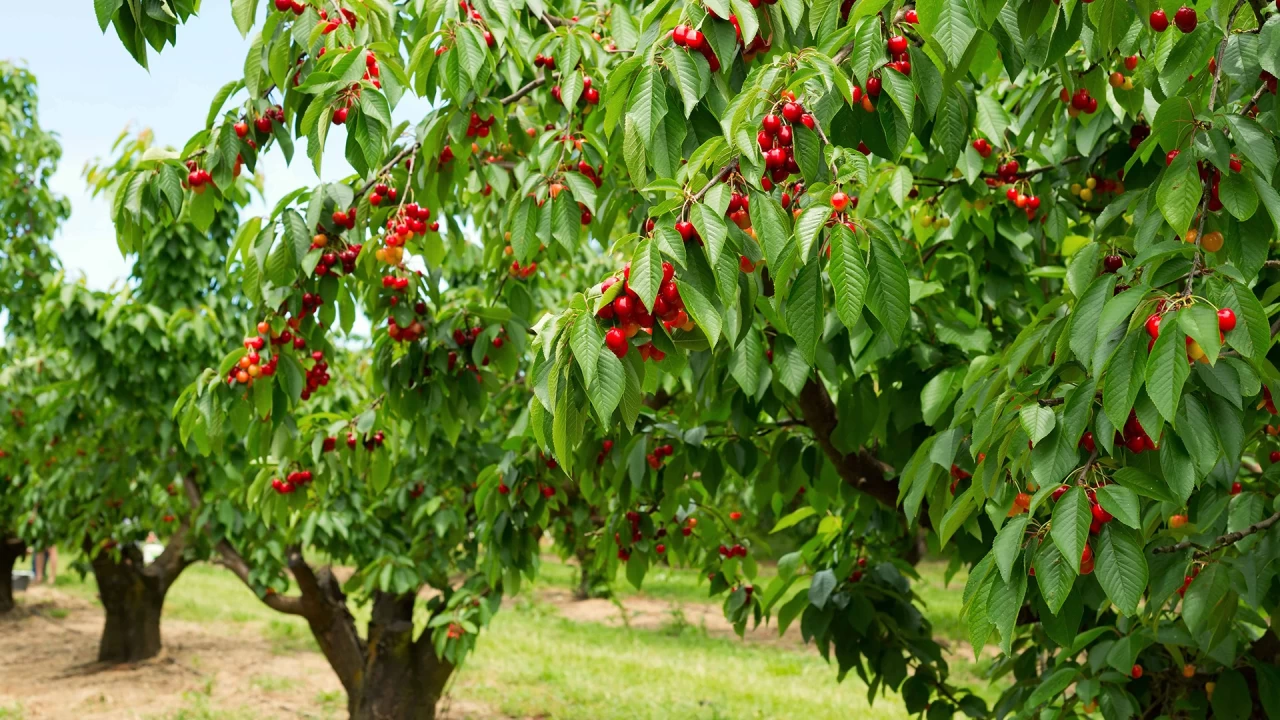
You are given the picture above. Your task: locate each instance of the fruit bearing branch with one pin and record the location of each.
(1223, 540)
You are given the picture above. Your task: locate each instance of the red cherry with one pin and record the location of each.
(839, 201)
(914, 19)
(1159, 21)
(1137, 672)
(1153, 325)
(1086, 560)
(873, 87)
(1235, 163)
(340, 116)
(1236, 488)
(1112, 263)
(771, 123)
(616, 340)
(694, 39)
(1185, 18)
(792, 112)
(1131, 62)
(1102, 516)
(897, 44)
(1226, 319)
(983, 147)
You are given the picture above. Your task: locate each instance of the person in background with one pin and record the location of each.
(44, 563)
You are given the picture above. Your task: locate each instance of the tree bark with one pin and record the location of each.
(11, 550)
(402, 679)
(132, 594)
(589, 580)
(862, 470)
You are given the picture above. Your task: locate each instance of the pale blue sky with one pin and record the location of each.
(91, 89)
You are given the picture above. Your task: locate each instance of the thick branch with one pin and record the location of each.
(716, 180)
(861, 469)
(529, 87)
(232, 560)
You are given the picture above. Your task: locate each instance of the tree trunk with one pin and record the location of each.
(11, 550)
(133, 597)
(402, 679)
(590, 581)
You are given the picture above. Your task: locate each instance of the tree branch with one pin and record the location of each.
(862, 470)
(715, 180)
(1222, 541)
(528, 87)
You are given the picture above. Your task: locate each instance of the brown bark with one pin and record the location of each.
(133, 597)
(11, 550)
(861, 469)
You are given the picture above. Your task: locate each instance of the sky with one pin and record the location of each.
(91, 89)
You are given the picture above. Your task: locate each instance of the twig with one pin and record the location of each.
(715, 180)
(843, 54)
(529, 87)
(1024, 175)
(1223, 540)
(409, 150)
(1051, 402)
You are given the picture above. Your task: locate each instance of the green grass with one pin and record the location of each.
(12, 712)
(534, 662)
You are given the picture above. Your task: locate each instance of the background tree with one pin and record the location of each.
(876, 250)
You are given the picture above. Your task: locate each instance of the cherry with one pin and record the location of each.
(745, 264)
(686, 230)
(616, 340)
(1177, 521)
(792, 112)
(1153, 325)
(873, 87)
(839, 201)
(694, 39)
(340, 116)
(1159, 21)
(914, 19)
(1235, 164)
(1236, 488)
(897, 44)
(1086, 560)
(983, 147)
(1059, 492)
(1137, 672)
(1086, 441)
(1185, 18)
(735, 516)
(1102, 516)
(680, 35)
(1131, 63)
(241, 128)
(1112, 263)
(771, 124)
(1226, 319)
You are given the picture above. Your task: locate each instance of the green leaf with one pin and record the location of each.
(1121, 566)
(610, 382)
(1053, 685)
(793, 518)
(700, 310)
(710, 226)
(1257, 144)
(1210, 591)
(950, 23)
(105, 9)
(1037, 421)
(646, 272)
(746, 362)
(1232, 699)
(849, 275)
(1070, 530)
(243, 12)
(648, 103)
(1054, 576)
(1167, 369)
(824, 582)
(889, 293)
(587, 341)
(1252, 334)
(1085, 318)
(692, 78)
(1143, 484)
(1179, 193)
(805, 310)
(1008, 544)
(1121, 502)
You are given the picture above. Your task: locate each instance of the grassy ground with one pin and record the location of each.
(534, 662)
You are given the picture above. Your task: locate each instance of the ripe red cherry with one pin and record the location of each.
(792, 112)
(340, 116)
(983, 147)
(1236, 488)
(1102, 516)
(873, 87)
(694, 39)
(1226, 319)
(1086, 560)
(839, 201)
(1087, 442)
(1170, 157)
(914, 19)
(616, 340)
(897, 44)
(1137, 672)
(1159, 21)
(1131, 62)
(680, 35)
(1275, 456)
(242, 129)
(1185, 19)
(686, 230)
(1153, 325)
(1112, 263)
(1058, 493)
(622, 306)
(771, 123)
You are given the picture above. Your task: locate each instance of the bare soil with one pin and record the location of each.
(48, 647)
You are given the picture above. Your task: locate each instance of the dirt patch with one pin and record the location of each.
(48, 647)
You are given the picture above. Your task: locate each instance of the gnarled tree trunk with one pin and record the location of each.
(11, 550)
(132, 594)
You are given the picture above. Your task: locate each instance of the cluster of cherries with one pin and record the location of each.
(544, 61)
(759, 45)
(589, 96)
(317, 374)
(292, 482)
(1226, 323)
(477, 127)
(1138, 133)
(370, 442)
(415, 329)
(523, 272)
(776, 139)
(1081, 101)
(1185, 19)
(198, 177)
(607, 446)
(631, 315)
(251, 366)
(478, 19)
(264, 123)
(343, 17)
(897, 47)
(659, 455)
(693, 39)
(346, 257)
(856, 575)
(380, 191)
(297, 6)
